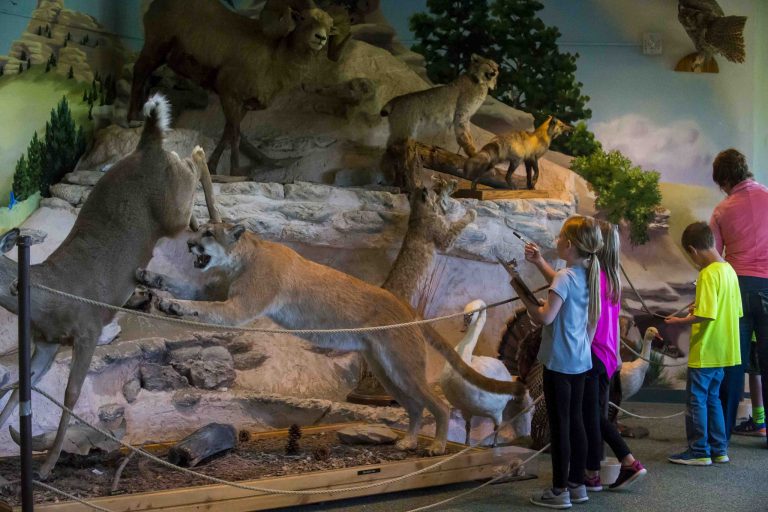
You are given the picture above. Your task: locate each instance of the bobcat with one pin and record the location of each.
(443, 106)
(515, 147)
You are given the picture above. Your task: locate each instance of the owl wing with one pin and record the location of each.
(709, 7)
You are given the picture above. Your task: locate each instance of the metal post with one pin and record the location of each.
(25, 377)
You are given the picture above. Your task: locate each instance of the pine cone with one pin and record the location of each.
(294, 434)
(321, 453)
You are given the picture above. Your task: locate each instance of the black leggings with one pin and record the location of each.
(596, 424)
(563, 393)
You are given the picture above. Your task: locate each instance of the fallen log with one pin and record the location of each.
(203, 443)
(442, 160)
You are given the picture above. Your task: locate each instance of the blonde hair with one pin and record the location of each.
(609, 257)
(584, 234)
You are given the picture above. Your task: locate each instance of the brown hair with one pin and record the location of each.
(699, 236)
(584, 234)
(609, 257)
(730, 168)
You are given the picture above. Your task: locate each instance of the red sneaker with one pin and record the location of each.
(628, 476)
(593, 484)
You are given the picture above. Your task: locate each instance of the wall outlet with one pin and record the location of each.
(652, 43)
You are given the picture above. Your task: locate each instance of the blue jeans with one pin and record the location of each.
(754, 302)
(704, 424)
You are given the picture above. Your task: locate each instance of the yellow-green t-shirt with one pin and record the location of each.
(715, 342)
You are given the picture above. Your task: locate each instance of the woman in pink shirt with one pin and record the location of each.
(605, 346)
(740, 226)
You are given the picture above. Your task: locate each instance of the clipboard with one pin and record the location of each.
(515, 275)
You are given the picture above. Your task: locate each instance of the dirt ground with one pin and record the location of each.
(94, 475)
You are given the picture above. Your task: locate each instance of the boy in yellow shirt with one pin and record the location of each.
(714, 321)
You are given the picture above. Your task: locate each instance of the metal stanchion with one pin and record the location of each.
(25, 377)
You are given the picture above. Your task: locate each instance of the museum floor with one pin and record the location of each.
(735, 487)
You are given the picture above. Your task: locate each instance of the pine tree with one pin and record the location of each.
(62, 146)
(23, 55)
(2, 70)
(29, 62)
(48, 31)
(21, 183)
(47, 66)
(294, 434)
(71, 73)
(65, 43)
(39, 30)
(69, 37)
(35, 156)
(535, 76)
(90, 112)
(85, 96)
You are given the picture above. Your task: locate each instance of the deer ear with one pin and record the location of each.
(475, 58)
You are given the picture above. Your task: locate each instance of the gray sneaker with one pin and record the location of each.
(578, 493)
(547, 498)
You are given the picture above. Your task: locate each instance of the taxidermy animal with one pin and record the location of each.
(270, 279)
(428, 230)
(516, 147)
(145, 196)
(231, 55)
(712, 32)
(443, 107)
(469, 399)
(633, 373)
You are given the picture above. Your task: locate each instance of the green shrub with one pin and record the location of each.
(624, 191)
(580, 142)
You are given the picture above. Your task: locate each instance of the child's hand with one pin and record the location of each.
(691, 309)
(533, 253)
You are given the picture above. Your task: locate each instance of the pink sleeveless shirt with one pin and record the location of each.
(605, 345)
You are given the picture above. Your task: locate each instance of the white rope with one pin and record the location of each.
(484, 484)
(264, 489)
(684, 363)
(205, 325)
(70, 496)
(647, 417)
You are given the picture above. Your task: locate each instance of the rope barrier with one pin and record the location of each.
(265, 490)
(628, 347)
(484, 484)
(642, 301)
(70, 496)
(647, 417)
(205, 325)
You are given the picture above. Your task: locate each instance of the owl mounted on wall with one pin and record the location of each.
(712, 32)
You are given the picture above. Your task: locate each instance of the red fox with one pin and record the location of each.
(515, 147)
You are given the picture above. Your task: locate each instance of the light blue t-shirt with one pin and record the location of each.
(565, 344)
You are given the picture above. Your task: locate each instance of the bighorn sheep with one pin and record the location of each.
(238, 58)
(145, 196)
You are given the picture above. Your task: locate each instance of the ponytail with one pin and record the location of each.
(584, 233)
(594, 289)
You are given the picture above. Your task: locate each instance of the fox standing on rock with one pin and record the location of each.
(515, 147)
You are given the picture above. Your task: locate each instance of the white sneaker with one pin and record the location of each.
(578, 494)
(547, 498)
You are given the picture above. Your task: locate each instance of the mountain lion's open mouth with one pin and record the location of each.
(202, 260)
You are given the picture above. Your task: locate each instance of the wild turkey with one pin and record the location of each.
(518, 349)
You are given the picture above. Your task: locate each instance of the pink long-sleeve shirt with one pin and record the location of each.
(740, 226)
